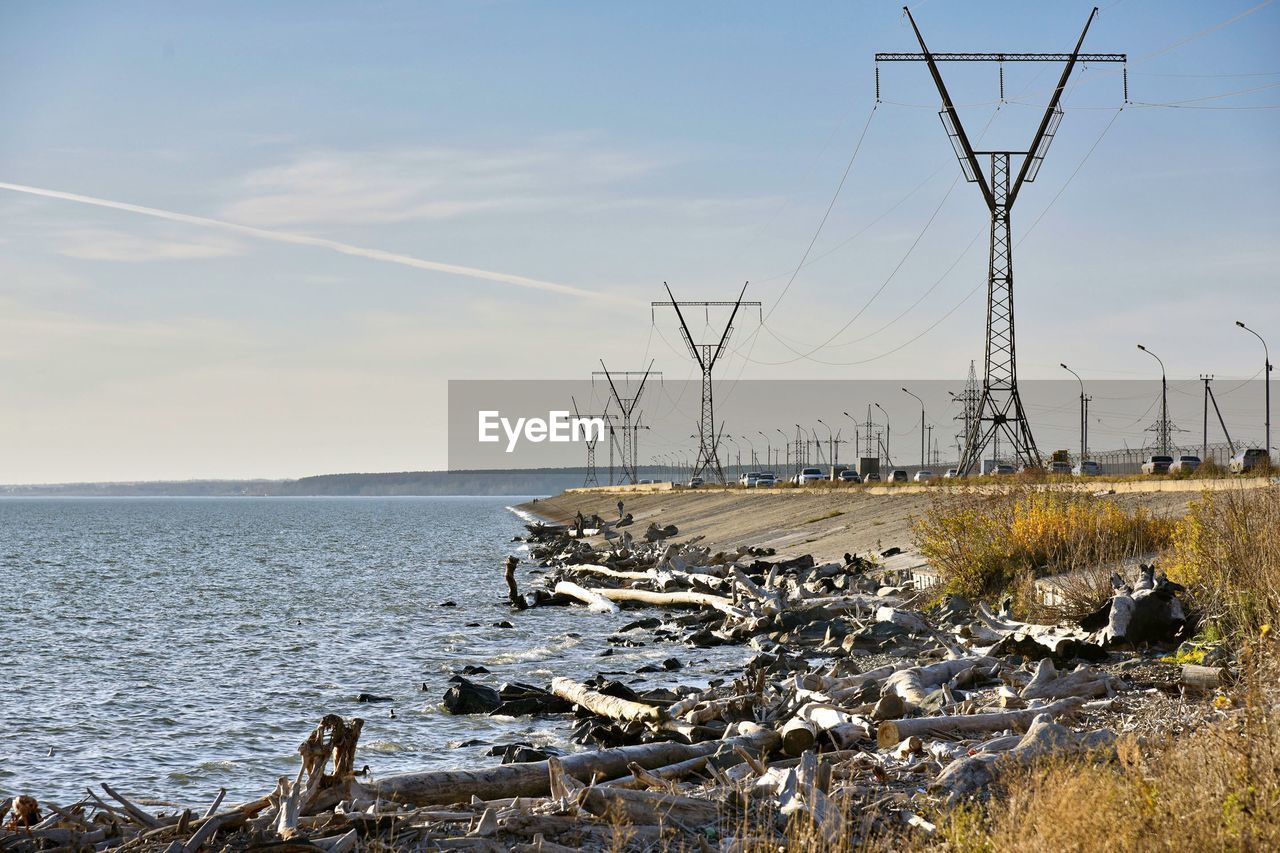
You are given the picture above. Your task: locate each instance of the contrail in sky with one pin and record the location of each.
(318, 242)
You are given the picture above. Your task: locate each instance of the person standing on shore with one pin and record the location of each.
(619, 507)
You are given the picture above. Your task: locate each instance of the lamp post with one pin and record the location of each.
(1163, 431)
(752, 445)
(768, 449)
(888, 457)
(831, 443)
(1084, 416)
(923, 451)
(1266, 383)
(857, 448)
(738, 453)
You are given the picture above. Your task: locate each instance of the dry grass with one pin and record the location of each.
(1214, 789)
(1226, 551)
(986, 545)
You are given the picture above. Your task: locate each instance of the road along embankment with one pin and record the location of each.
(825, 522)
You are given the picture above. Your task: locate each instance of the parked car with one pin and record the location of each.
(694, 482)
(871, 477)
(1184, 464)
(766, 480)
(848, 475)
(1248, 460)
(923, 476)
(748, 480)
(898, 476)
(646, 483)
(952, 473)
(1157, 464)
(809, 475)
(1087, 468)
(1060, 468)
(1004, 469)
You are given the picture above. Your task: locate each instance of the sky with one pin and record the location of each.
(257, 240)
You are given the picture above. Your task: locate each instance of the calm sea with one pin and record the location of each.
(174, 646)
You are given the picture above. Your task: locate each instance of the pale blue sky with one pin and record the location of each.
(606, 147)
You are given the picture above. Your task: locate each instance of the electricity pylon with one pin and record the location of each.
(706, 355)
(591, 479)
(628, 446)
(1000, 406)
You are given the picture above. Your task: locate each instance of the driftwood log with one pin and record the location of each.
(595, 602)
(972, 773)
(532, 779)
(675, 599)
(891, 732)
(623, 710)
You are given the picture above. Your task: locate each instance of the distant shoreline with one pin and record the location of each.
(495, 483)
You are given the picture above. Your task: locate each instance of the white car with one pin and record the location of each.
(1004, 469)
(923, 476)
(952, 473)
(1157, 464)
(809, 475)
(695, 482)
(749, 479)
(766, 480)
(1249, 459)
(1087, 468)
(898, 476)
(1184, 464)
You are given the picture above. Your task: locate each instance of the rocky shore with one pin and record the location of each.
(864, 710)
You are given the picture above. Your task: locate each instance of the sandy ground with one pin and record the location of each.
(826, 523)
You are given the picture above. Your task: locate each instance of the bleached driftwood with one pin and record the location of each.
(531, 779)
(595, 603)
(1205, 678)
(648, 806)
(675, 599)
(612, 707)
(915, 683)
(1048, 683)
(974, 772)
(891, 732)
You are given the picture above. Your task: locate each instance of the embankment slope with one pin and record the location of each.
(824, 522)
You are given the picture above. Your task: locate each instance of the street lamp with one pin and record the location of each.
(738, 451)
(752, 445)
(857, 435)
(768, 449)
(831, 442)
(922, 444)
(1266, 382)
(888, 457)
(1084, 416)
(1163, 431)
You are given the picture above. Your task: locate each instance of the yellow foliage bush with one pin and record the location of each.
(1226, 551)
(983, 544)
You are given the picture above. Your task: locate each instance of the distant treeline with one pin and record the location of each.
(533, 481)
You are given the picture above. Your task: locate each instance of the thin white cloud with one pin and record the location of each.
(316, 242)
(353, 187)
(128, 248)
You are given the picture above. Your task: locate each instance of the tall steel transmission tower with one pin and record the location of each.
(706, 355)
(968, 400)
(627, 443)
(591, 442)
(1000, 407)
